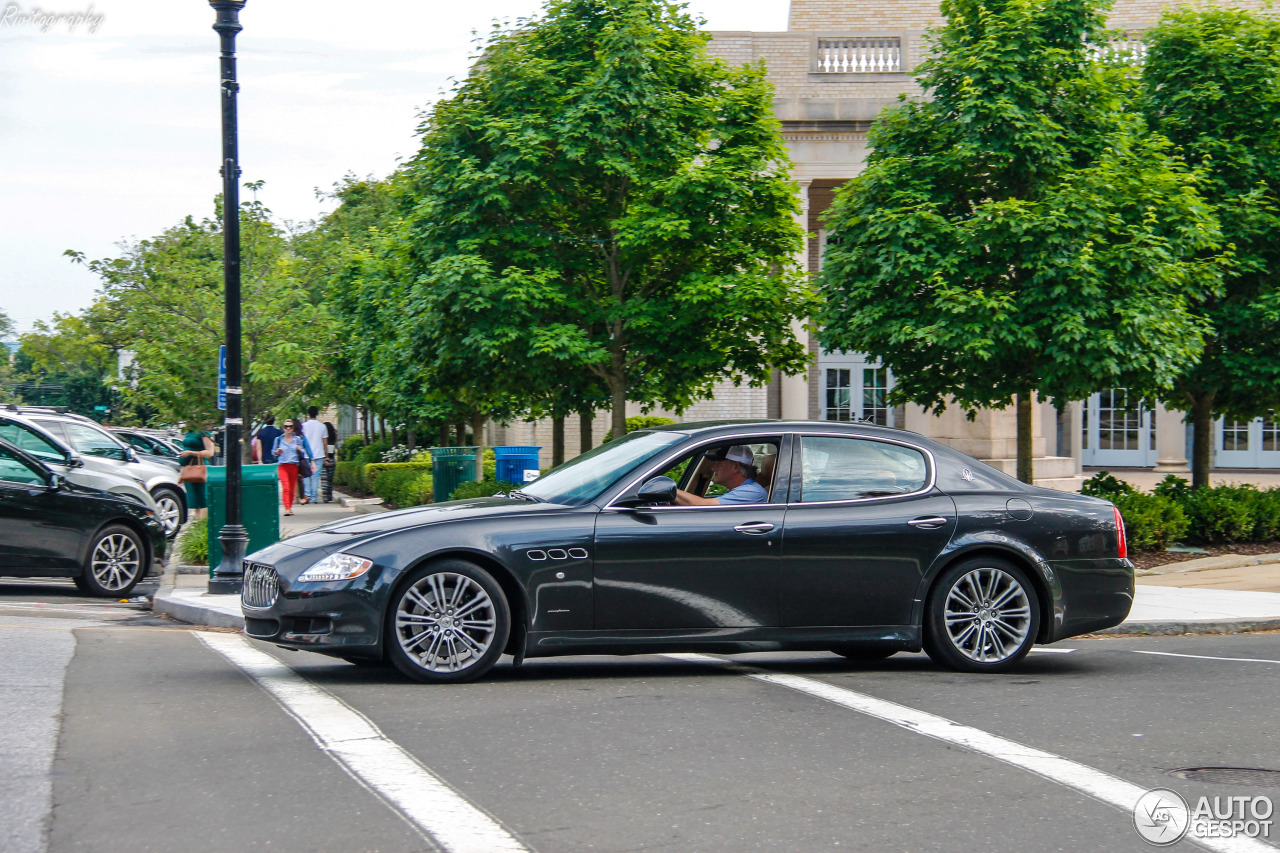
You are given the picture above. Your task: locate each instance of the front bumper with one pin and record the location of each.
(342, 618)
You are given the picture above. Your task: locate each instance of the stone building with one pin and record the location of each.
(835, 67)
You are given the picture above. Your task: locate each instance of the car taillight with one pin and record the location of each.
(1120, 536)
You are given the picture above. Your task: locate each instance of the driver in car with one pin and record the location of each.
(732, 468)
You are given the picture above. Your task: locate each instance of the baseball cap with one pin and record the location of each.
(737, 453)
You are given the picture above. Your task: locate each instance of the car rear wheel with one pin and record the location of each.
(117, 561)
(448, 623)
(172, 511)
(983, 616)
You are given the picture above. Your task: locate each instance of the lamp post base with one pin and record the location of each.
(228, 578)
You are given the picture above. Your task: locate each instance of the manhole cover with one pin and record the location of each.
(1231, 776)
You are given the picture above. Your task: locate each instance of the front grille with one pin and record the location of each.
(261, 585)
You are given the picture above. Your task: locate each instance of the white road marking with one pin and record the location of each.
(377, 762)
(1204, 657)
(1052, 651)
(1102, 786)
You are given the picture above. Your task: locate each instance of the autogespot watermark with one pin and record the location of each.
(1163, 817)
(15, 16)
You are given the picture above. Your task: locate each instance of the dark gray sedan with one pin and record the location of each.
(713, 537)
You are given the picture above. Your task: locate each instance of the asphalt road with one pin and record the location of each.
(128, 733)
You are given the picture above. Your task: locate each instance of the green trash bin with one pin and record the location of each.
(450, 468)
(259, 507)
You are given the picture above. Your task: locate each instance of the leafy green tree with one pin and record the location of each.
(603, 209)
(164, 297)
(8, 377)
(1019, 231)
(67, 363)
(1210, 85)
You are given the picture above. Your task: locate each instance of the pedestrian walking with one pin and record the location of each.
(291, 454)
(265, 439)
(197, 446)
(330, 462)
(318, 440)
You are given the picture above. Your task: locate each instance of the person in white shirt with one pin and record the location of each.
(318, 441)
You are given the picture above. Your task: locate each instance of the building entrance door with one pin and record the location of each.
(1119, 431)
(1247, 444)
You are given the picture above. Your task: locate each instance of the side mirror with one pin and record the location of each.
(74, 460)
(56, 482)
(129, 455)
(659, 490)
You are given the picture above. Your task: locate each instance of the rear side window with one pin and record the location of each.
(841, 469)
(32, 442)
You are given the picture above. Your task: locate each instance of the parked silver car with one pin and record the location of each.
(105, 452)
(61, 459)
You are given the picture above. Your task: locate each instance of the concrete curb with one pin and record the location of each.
(193, 613)
(1171, 629)
(1204, 564)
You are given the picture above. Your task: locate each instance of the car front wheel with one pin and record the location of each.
(172, 511)
(983, 616)
(117, 561)
(448, 622)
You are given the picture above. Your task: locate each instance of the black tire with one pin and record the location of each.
(864, 654)
(169, 500)
(116, 562)
(983, 615)
(422, 638)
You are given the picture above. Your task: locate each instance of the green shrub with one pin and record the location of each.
(1172, 486)
(1218, 515)
(404, 484)
(637, 423)
(1104, 485)
(351, 445)
(1266, 514)
(488, 487)
(372, 452)
(1151, 521)
(348, 474)
(193, 543)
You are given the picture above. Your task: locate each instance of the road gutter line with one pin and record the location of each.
(1109, 789)
(1204, 657)
(373, 759)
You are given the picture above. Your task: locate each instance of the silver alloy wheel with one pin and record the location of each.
(445, 622)
(988, 615)
(116, 561)
(170, 513)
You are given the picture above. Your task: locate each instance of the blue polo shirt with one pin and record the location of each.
(749, 492)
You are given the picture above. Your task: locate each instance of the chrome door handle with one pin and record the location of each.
(754, 527)
(928, 522)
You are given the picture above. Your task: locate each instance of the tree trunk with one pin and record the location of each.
(1025, 464)
(1202, 432)
(585, 440)
(364, 421)
(382, 428)
(618, 413)
(557, 441)
(477, 436)
(443, 436)
(459, 433)
(410, 439)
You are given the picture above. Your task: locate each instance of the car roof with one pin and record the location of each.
(36, 428)
(764, 426)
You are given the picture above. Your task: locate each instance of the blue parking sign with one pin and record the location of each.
(222, 378)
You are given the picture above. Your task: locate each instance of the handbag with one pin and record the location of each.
(304, 459)
(195, 473)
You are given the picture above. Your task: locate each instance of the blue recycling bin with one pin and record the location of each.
(516, 464)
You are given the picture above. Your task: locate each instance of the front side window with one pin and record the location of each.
(583, 478)
(696, 472)
(839, 469)
(90, 442)
(15, 470)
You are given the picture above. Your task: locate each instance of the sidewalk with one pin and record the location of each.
(185, 597)
(1213, 595)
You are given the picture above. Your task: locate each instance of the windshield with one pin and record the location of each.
(583, 478)
(32, 442)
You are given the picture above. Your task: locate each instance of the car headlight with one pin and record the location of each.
(336, 567)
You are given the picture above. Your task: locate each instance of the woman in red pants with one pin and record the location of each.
(286, 450)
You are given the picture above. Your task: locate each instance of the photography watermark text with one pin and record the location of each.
(15, 16)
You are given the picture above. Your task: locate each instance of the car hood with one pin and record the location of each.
(328, 535)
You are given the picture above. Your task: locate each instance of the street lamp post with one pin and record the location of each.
(229, 575)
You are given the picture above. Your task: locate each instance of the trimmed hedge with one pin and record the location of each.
(486, 488)
(351, 445)
(399, 483)
(1175, 512)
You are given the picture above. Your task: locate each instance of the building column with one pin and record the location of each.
(1073, 434)
(795, 389)
(1171, 441)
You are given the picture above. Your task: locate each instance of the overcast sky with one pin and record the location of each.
(109, 121)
